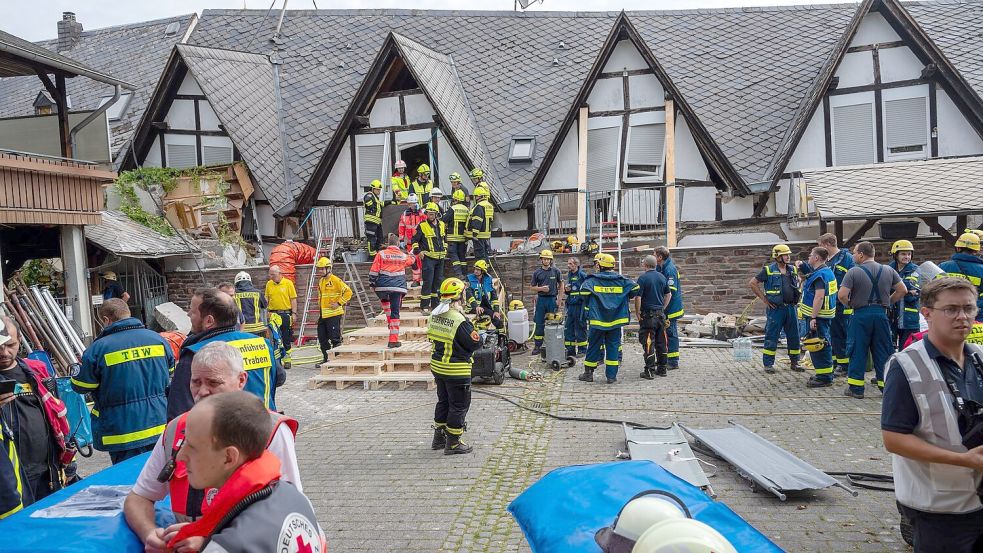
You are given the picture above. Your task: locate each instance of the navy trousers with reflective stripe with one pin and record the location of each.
(839, 335)
(780, 318)
(672, 342)
(608, 340)
(871, 332)
(822, 360)
(575, 329)
(544, 305)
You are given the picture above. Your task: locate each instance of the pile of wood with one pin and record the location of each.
(43, 325)
(201, 205)
(364, 358)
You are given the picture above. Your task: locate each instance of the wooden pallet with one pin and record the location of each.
(379, 336)
(401, 380)
(406, 320)
(360, 367)
(407, 365)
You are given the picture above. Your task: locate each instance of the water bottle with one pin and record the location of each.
(742, 349)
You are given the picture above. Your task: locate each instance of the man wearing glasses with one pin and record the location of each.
(867, 289)
(932, 392)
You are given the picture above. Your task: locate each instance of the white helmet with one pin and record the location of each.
(437, 192)
(683, 535)
(632, 530)
(401, 164)
(241, 276)
(411, 199)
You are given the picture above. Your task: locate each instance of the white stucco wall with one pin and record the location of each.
(418, 109)
(625, 56)
(699, 203)
(338, 185)
(956, 136)
(189, 86)
(811, 150)
(606, 95)
(448, 163)
(384, 113)
(181, 115)
(874, 29)
(562, 174)
(689, 161)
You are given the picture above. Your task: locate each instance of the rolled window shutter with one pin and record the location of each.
(906, 122)
(853, 135)
(369, 164)
(602, 158)
(181, 156)
(645, 144)
(216, 155)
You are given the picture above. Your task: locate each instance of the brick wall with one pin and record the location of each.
(713, 279)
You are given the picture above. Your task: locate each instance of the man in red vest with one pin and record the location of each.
(252, 508)
(217, 368)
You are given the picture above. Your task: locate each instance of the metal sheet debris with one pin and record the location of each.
(669, 448)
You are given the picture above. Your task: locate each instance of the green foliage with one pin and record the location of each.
(150, 178)
(37, 271)
(227, 235)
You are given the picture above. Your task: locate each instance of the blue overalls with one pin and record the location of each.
(575, 320)
(969, 267)
(545, 301)
(822, 360)
(904, 315)
(673, 311)
(779, 318)
(606, 294)
(871, 333)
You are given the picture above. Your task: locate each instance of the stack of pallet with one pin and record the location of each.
(364, 358)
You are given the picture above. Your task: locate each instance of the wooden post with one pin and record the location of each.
(671, 173)
(582, 175)
(63, 129)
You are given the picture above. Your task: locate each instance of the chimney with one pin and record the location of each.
(69, 31)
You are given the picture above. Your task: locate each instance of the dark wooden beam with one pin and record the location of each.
(878, 107)
(823, 226)
(631, 73)
(881, 46)
(933, 223)
(828, 130)
(933, 119)
(351, 147)
(961, 224)
(760, 203)
(190, 97)
(873, 87)
(718, 208)
(402, 111)
(629, 111)
(396, 128)
(190, 132)
(626, 104)
(399, 93)
(163, 149)
(198, 154)
(60, 96)
(838, 231)
(868, 224)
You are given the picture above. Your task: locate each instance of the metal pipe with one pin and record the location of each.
(41, 324)
(70, 333)
(57, 331)
(283, 11)
(117, 90)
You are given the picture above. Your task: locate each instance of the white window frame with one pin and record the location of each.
(639, 119)
(513, 158)
(917, 91)
(852, 100)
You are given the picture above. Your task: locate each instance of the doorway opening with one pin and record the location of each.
(414, 156)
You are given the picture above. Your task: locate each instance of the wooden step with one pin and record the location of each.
(379, 336)
(406, 319)
(402, 380)
(359, 352)
(348, 367)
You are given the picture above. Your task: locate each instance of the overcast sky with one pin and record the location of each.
(37, 19)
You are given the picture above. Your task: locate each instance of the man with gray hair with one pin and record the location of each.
(216, 368)
(650, 308)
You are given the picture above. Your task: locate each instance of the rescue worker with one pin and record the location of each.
(276, 340)
(399, 193)
(408, 222)
(126, 371)
(455, 180)
(482, 299)
(437, 198)
(422, 186)
(372, 204)
(574, 319)
(253, 508)
(867, 289)
(777, 286)
(546, 282)
(674, 310)
(477, 177)
(650, 307)
(818, 309)
(429, 247)
(217, 369)
(36, 458)
(333, 295)
(456, 224)
(251, 303)
(607, 295)
(214, 318)
(840, 260)
(480, 224)
(281, 300)
(454, 341)
(387, 278)
(113, 289)
(400, 181)
(966, 263)
(904, 314)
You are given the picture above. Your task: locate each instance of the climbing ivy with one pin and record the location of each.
(166, 179)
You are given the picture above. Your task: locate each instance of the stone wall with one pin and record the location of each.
(713, 279)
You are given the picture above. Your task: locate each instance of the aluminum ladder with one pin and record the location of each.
(325, 233)
(354, 278)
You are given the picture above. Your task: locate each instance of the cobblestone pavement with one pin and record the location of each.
(376, 485)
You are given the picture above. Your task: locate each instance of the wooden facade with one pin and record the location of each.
(39, 191)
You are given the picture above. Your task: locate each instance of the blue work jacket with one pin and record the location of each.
(607, 294)
(907, 307)
(575, 279)
(969, 267)
(126, 371)
(258, 359)
(675, 308)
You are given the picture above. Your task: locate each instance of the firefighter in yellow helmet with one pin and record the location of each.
(333, 294)
(428, 243)
(480, 223)
(904, 313)
(455, 222)
(777, 286)
(546, 282)
(966, 263)
(456, 184)
(422, 185)
(372, 205)
(454, 341)
(607, 296)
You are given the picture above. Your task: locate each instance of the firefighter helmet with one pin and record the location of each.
(458, 196)
(431, 207)
(557, 246)
(242, 276)
(813, 343)
(780, 249)
(481, 264)
(480, 192)
(323, 262)
(968, 240)
(902, 246)
(451, 289)
(476, 173)
(109, 275)
(605, 260)
(454, 177)
(376, 184)
(571, 240)
(516, 304)
(400, 164)
(547, 254)
(423, 169)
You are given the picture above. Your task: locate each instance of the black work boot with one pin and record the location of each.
(795, 367)
(647, 374)
(661, 371)
(455, 446)
(439, 438)
(588, 376)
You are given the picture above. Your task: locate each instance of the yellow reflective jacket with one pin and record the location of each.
(333, 295)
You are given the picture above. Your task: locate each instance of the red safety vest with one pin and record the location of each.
(180, 490)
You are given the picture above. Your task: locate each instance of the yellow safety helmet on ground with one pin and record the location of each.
(968, 240)
(109, 275)
(481, 264)
(480, 192)
(476, 173)
(432, 207)
(323, 262)
(454, 177)
(571, 239)
(458, 196)
(780, 249)
(423, 168)
(813, 343)
(451, 288)
(557, 246)
(516, 304)
(548, 254)
(605, 260)
(902, 246)
(376, 184)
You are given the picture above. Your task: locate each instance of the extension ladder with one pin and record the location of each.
(354, 279)
(324, 236)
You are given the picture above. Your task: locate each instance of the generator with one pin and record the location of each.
(554, 350)
(492, 361)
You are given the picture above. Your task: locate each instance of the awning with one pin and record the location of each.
(924, 188)
(118, 234)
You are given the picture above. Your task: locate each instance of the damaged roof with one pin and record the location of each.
(942, 186)
(122, 236)
(133, 53)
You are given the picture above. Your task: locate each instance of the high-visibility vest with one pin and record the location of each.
(373, 208)
(828, 309)
(481, 219)
(457, 230)
(432, 243)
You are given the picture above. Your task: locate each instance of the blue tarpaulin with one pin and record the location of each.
(563, 510)
(23, 534)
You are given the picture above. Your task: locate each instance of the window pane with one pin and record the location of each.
(853, 134)
(522, 149)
